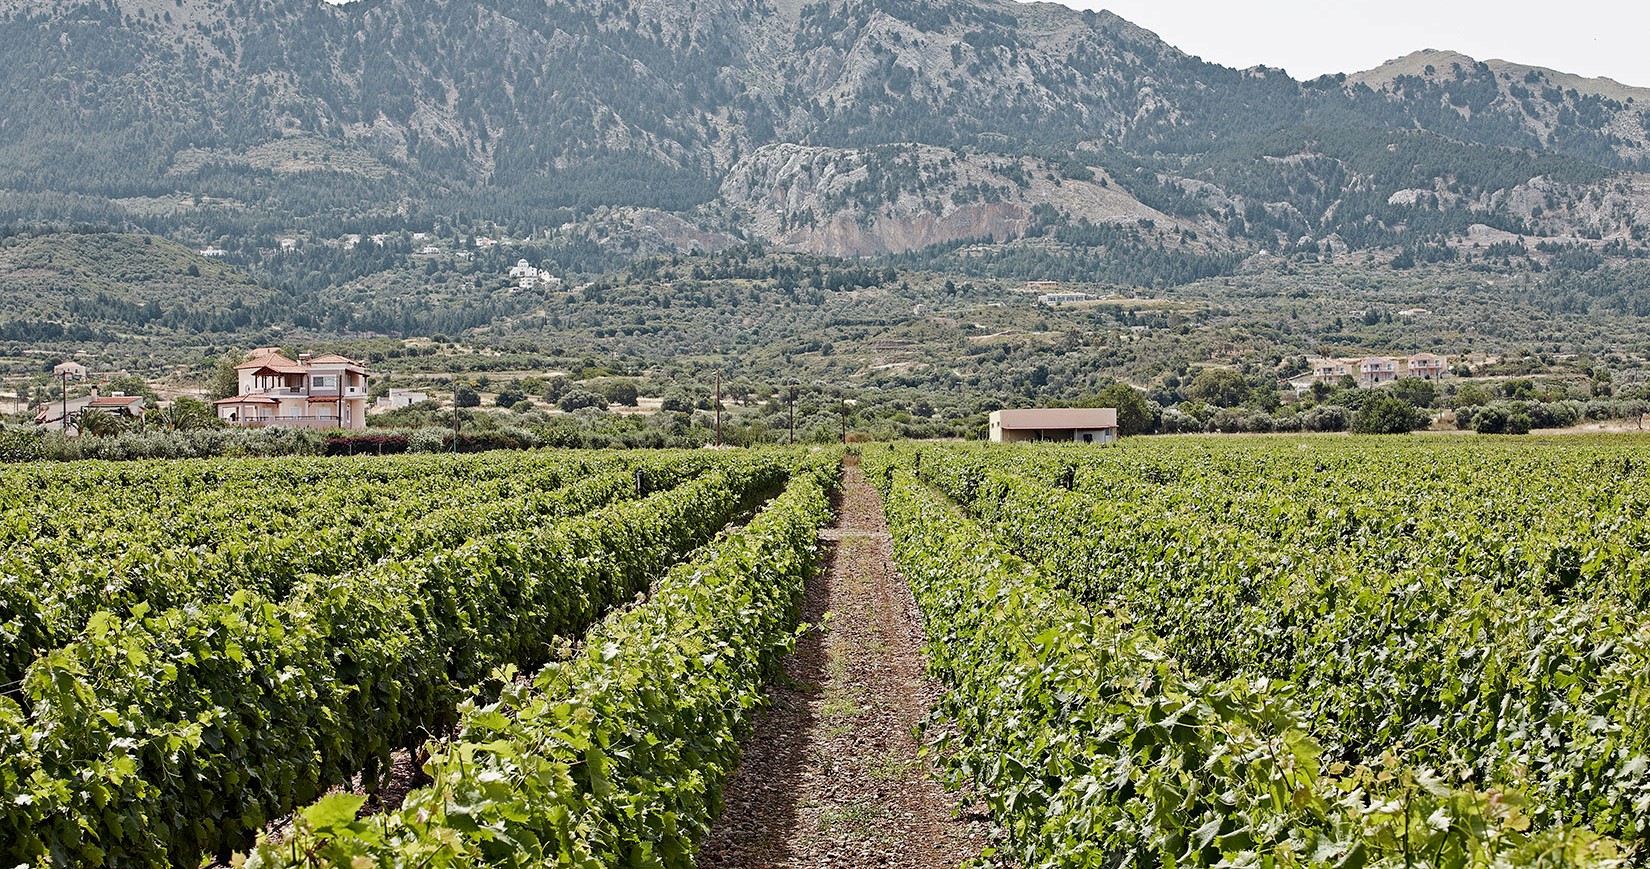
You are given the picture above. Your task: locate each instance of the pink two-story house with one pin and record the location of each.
(1426, 366)
(321, 392)
(1377, 369)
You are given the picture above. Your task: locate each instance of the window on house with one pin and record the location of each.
(324, 381)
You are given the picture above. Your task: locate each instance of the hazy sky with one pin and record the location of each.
(1307, 38)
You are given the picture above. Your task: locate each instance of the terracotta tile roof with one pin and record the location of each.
(275, 362)
(318, 398)
(116, 401)
(247, 399)
(272, 361)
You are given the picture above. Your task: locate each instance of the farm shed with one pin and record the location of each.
(1084, 425)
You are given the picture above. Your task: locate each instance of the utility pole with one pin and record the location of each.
(65, 421)
(718, 408)
(790, 405)
(842, 407)
(455, 416)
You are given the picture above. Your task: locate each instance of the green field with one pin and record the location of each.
(1291, 651)
(195, 649)
(1263, 651)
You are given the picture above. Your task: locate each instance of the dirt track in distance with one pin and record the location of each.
(830, 775)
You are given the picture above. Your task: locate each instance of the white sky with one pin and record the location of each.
(1587, 37)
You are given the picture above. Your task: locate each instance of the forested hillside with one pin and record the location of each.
(231, 123)
(102, 288)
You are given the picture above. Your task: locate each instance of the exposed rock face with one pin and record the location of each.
(650, 232)
(854, 202)
(798, 116)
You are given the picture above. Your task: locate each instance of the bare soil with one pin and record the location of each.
(831, 774)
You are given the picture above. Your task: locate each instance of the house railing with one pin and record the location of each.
(310, 422)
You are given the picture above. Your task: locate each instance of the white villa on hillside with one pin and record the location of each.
(528, 276)
(322, 392)
(397, 399)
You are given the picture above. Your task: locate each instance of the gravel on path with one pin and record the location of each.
(831, 774)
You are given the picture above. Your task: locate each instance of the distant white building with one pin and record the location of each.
(51, 417)
(528, 276)
(1062, 298)
(69, 369)
(397, 399)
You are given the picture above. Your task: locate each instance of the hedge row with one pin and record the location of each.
(618, 756)
(1094, 747)
(160, 738)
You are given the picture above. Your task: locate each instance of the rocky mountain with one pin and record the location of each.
(1510, 104)
(891, 198)
(849, 127)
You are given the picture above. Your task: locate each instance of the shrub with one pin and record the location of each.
(1384, 413)
(1556, 414)
(1325, 418)
(578, 398)
(19, 445)
(1418, 392)
(619, 392)
(427, 440)
(510, 396)
(1490, 419)
(524, 439)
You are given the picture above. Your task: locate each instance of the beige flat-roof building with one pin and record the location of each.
(1084, 425)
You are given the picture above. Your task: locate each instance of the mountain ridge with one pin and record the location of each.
(257, 118)
(1414, 63)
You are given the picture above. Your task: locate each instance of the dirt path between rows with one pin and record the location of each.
(830, 776)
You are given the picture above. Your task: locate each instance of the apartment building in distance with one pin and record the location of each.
(1371, 371)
